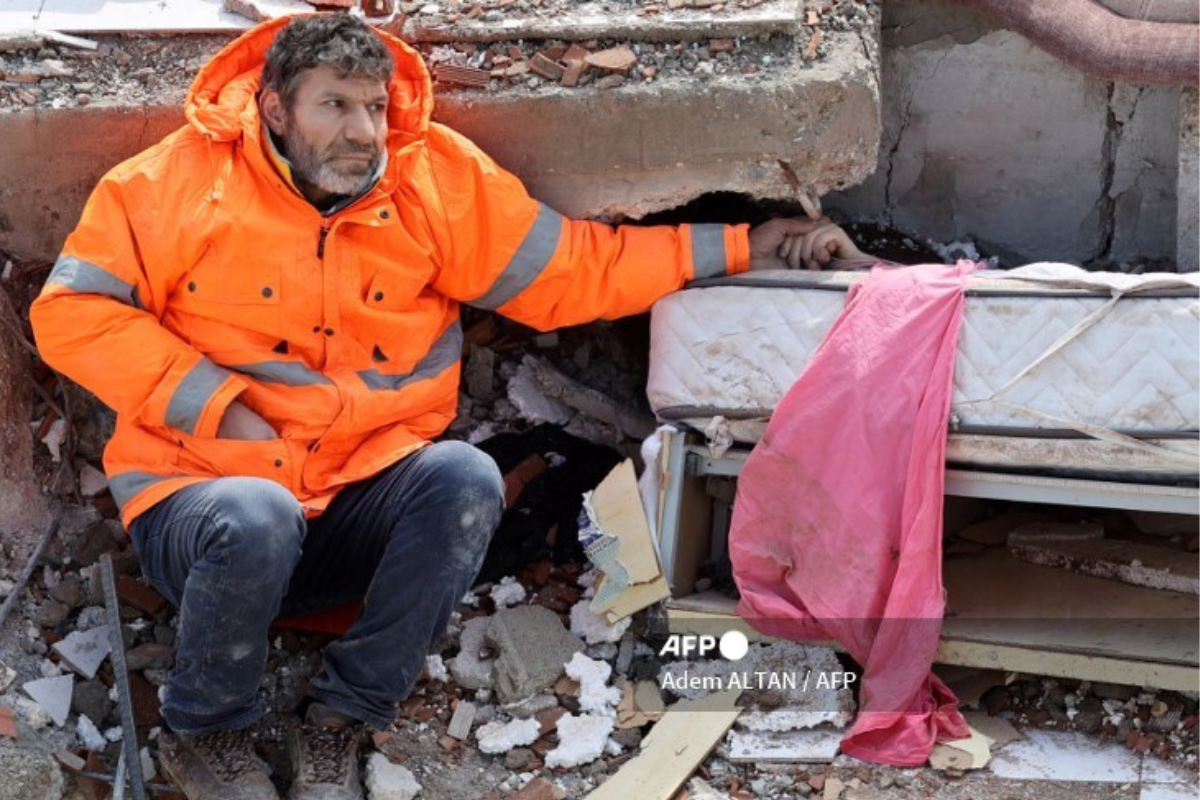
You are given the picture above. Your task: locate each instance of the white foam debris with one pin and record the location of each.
(436, 668)
(581, 740)
(500, 737)
(388, 781)
(89, 735)
(592, 675)
(591, 627)
(508, 592)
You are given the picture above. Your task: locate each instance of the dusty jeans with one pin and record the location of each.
(233, 553)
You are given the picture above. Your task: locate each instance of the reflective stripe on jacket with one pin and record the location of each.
(197, 276)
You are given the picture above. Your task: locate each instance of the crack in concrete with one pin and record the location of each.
(1106, 204)
(905, 121)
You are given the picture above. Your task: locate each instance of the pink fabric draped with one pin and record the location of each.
(837, 526)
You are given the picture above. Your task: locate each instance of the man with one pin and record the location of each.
(269, 298)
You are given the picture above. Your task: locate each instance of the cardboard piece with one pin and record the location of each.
(616, 536)
(973, 752)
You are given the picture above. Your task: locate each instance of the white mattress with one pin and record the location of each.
(1057, 370)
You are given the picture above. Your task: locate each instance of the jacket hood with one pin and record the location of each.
(221, 102)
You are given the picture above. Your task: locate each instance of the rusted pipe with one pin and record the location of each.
(1093, 39)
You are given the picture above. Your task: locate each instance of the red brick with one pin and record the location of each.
(133, 592)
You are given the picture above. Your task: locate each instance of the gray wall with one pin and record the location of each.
(989, 139)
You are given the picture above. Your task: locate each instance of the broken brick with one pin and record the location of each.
(610, 82)
(462, 76)
(575, 53)
(813, 44)
(548, 69)
(537, 789)
(554, 52)
(147, 709)
(8, 722)
(548, 719)
(572, 74)
(721, 46)
(133, 592)
(614, 59)
(379, 8)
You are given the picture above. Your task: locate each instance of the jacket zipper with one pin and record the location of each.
(321, 241)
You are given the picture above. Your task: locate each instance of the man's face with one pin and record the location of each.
(333, 132)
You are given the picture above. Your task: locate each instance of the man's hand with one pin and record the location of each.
(800, 243)
(239, 422)
(768, 241)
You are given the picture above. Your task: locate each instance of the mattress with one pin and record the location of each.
(1058, 370)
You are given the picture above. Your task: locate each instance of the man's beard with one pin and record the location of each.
(317, 168)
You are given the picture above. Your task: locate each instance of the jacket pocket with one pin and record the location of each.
(237, 457)
(223, 277)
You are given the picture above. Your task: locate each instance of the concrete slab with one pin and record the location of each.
(85, 651)
(1175, 791)
(1155, 770)
(91, 16)
(620, 153)
(1046, 755)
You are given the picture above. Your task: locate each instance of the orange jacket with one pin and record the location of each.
(198, 275)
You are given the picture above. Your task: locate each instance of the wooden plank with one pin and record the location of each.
(670, 753)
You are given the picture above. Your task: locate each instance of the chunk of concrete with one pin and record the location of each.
(388, 781)
(816, 746)
(53, 695)
(533, 647)
(28, 769)
(470, 671)
(84, 651)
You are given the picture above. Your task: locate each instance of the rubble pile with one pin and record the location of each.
(606, 64)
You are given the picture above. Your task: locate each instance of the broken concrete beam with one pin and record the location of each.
(769, 18)
(1137, 564)
(533, 648)
(588, 401)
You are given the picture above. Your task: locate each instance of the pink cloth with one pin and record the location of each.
(837, 526)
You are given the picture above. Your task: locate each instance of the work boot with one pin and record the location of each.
(324, 753)
(216, 766)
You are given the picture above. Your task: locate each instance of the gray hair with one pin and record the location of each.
(336, 40)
